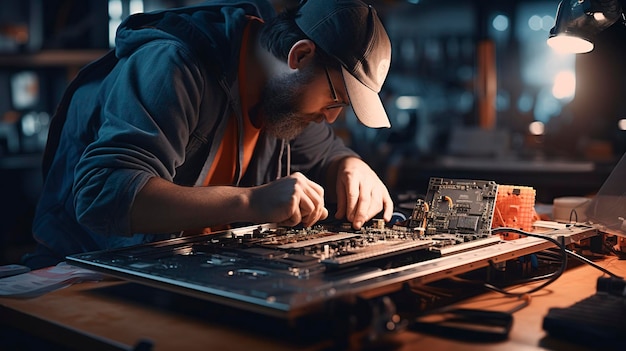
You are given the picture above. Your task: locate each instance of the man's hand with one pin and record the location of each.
(289, 201)
(164, 207)
(360, 193)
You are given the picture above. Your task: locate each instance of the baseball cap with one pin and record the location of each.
(351, 32)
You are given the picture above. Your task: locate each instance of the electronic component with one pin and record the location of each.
(460, 206)
(515, 208)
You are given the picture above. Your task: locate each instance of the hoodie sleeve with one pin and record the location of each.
(315, 148)
(149, 107)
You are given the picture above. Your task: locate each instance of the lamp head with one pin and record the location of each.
(578, 21)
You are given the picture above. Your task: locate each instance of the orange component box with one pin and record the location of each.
(515, 208)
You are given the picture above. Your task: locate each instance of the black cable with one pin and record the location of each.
(591, 263)
(550, 280)
(561, 247)
(526, 301)
(494, 267)
(573, 212)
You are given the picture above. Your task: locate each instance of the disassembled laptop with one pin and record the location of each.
(292, 272)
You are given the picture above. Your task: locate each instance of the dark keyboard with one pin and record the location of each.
(599, 321)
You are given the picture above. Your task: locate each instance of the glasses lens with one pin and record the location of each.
(330, 84)
(333, 92)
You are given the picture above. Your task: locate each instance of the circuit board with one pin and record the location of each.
(460, 206)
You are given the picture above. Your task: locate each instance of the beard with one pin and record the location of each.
(280, 103)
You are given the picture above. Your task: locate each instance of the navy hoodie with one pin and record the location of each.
(156, 106)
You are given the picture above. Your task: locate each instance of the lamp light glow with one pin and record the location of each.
(569, 44)
(578, 21)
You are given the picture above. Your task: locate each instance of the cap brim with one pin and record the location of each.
(365, 102)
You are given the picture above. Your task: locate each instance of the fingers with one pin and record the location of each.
(353, 200)
(310, 220)
(295, 215)
(308, 202)
(297, 200)
(361, 212)
(288, 201)
(370, 201)
(388, 207)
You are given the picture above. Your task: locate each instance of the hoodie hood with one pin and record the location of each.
(207, 29)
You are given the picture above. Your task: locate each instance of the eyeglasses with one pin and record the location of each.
(338, 103)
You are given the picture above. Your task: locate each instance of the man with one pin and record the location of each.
(212, 115)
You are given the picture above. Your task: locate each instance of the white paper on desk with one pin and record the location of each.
(41, 281)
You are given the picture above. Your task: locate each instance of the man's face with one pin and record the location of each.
(292, 101)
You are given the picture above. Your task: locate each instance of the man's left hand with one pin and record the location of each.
(360, 193)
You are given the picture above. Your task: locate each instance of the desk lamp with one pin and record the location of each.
(578, 21)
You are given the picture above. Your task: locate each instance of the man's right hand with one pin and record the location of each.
(289, 201)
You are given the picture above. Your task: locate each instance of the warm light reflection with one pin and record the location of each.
(564, 85)
(536, 128)
(569, 44)
(621, 124)
(599, 16)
